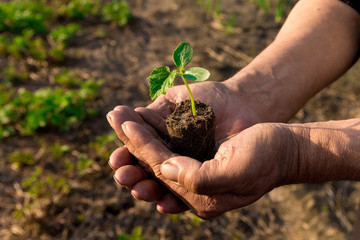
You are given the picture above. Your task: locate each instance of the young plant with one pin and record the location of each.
(161, 78)
(117, 11)
(64, 33)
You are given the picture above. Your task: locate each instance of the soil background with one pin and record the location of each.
(98, 209)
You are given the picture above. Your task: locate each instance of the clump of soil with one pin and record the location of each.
(192, 136)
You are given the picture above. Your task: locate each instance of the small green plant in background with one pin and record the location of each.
(12, 74)
(58, 150)
(84, 165)
(64, 33)
(135, 235)
(67, 78)
(21, 158)
(211, 6)
(57, 53)
(161, 79)
(230, 25)
(19, 47)
(38, 49)
(75, 164)
(215, 12)
(80, 9)
(42, 184)
(104, 145)
(117, 11)
(278, 7)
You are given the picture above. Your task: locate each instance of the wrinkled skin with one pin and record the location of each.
(188, 189)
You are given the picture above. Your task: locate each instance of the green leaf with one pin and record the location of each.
(183, 55)
(189, 77)
(160, 80)
(200, 74)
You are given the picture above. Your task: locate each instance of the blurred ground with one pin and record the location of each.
(95, 208)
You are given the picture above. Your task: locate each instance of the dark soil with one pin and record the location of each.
(192, 136)
(95, 207)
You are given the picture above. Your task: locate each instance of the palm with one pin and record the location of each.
(231, 115)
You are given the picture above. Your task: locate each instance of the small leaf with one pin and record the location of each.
(160, 80)
(183, 55)
(200, 74)
(189, 77)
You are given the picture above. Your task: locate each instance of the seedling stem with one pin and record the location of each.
(191, 97)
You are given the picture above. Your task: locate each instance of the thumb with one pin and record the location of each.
(200, 178)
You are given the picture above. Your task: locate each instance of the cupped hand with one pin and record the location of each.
(246, 166)
(233, 113)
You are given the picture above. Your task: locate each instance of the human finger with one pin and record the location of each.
(121, 114)
(148, 190)
(169, 203)
(129, 175)
(120, 157)
(147, 149)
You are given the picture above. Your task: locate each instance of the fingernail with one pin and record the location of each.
(124, 128)
(109, 119)
(160, 209)
(116, 180)
(170, 171)
(135, 194)
(110, 165)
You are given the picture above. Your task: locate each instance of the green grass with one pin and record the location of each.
(277, 7)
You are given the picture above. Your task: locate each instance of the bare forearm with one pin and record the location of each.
(324, 151)
(317, 44)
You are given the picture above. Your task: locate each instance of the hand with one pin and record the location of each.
(233, 112)
(246, 166)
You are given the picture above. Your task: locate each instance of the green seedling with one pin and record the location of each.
(117, 11)
(64, 33)
(135, 235)
(79, 9)
(21, 159)
(161, 79)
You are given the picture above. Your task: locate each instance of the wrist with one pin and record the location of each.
(269, 95)
(324, 151)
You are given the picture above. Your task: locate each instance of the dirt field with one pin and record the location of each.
(93, 207)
